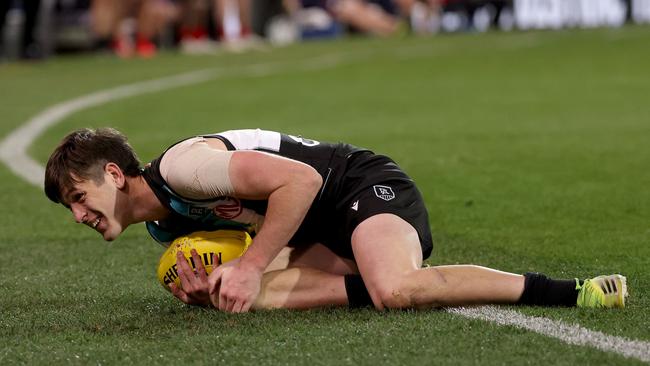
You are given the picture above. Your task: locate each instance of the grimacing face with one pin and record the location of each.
(94, 203)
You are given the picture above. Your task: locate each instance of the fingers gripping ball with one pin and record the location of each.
(226, 245)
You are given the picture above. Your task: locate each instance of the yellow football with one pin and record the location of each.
(225, 244)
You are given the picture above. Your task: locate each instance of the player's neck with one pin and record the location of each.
(143, 203)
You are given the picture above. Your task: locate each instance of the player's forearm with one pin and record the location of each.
(287, 207)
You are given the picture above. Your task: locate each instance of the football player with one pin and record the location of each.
(356, 222)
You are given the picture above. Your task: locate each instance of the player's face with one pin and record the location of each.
(95, 205)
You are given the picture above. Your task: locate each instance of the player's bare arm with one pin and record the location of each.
(290, 188)
(203, 168)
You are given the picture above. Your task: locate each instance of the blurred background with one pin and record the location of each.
(39, 29)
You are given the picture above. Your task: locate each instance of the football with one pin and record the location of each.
(226, 245)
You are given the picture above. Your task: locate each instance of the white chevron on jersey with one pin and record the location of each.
(253, 139)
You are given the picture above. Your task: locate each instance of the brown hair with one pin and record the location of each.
(82, 155)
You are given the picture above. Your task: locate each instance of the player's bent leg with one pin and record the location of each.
(304, 278)
(315, 256)
(388, 254)
(318, 256)
(281, 261)
(301, 288)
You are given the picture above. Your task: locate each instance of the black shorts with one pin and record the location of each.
(362, 185)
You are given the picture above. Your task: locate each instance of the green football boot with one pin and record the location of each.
(602, 292)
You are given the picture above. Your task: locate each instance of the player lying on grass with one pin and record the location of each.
(357, 224)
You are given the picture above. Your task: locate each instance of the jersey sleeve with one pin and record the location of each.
(195, 170)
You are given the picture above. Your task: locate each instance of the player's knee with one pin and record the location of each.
(394, 295)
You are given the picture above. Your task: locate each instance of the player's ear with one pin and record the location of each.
(116, 174)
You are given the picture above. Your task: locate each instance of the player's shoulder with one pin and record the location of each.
(189, 152)
(181, 148)
(249, 139)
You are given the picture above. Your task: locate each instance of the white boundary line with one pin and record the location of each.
(13, 152)
(568, 333)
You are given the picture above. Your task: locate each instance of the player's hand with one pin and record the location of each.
(234, 289)
(194, 284)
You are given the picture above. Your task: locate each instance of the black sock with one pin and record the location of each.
(543, 291)
(358, 296)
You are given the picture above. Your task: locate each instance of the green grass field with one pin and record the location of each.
(531, 150)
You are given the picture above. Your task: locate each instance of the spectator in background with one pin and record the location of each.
(112, 22)
(232, 19)
(386, 17)
(365, 16)
(194, 32)
(375, 17)
(29, 48)
(423, 15)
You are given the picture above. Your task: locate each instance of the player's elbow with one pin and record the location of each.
(316, 181)
(309, 179)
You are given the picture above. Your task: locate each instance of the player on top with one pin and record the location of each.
(357, 224)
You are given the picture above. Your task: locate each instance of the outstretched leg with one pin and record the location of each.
(389, 257)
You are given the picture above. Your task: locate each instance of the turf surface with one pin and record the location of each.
(530, 149)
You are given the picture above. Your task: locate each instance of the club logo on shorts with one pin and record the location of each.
(384, 192)
(228, 208)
